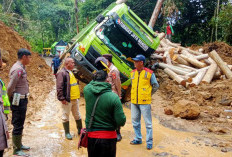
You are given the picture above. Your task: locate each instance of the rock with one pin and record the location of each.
(168, 111)
(186, 109)
(224, 150)
(223, 130)
(225, 102)
(5, 55)
(206, 95)
(165, 154)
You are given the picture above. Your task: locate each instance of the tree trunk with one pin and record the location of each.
(173, 68)
(155, 13)
(193, 61)
(76, 15)
(197, 80)
(210, 73)
(217, 20)
(120, 1)
(180, 60)
(175, 77)
(225, 69)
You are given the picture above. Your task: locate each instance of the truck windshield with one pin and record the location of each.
(119, 42)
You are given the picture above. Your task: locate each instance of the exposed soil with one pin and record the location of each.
(39, 74)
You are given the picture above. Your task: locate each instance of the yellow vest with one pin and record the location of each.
(74, 91)
(141, 86)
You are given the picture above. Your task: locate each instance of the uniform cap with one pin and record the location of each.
(108, 57)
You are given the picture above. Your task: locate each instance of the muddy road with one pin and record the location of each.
(45, 135)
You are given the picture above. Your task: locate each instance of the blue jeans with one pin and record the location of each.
(136, 111)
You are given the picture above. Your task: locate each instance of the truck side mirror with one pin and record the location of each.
(100, 18)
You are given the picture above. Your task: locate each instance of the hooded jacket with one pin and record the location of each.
(109, 114)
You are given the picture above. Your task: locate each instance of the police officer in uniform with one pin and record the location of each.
(18, 91)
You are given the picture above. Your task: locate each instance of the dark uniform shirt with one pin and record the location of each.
(18, 80)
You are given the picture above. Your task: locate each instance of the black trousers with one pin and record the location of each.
(19, 116)
(1, 153)
(101, 147)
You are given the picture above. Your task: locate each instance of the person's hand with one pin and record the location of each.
(7, 135)
(64, 102)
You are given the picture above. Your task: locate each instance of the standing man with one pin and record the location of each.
(108, 114)
(113, 78)
(169, 32)
(68, 94)
(144, 84)
(18, 92)
(55, 64)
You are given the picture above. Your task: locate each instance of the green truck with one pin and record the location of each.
(117, 31)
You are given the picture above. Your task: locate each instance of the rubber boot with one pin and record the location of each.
(66, 130)
(25, 147)
(16, 141)
(79, 126)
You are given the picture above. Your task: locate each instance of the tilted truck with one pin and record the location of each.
(117, 31)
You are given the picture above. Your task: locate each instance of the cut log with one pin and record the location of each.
(194, 73)
(180, 60)
(197, 80)
(183, 48)
(230, 66)
(194, 61)
(225, 69)
(175, 77)
(186, 53)
(186, 67)
(160, 50)
(187, 78)
(201, 57)
(173, 68)
(210, 73)
(156, 56)
(161, 36)
(168, 59)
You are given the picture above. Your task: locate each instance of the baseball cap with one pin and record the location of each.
(139, 58)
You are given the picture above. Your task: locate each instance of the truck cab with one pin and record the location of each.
(117, 31)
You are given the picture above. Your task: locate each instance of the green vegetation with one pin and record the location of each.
(42, 22)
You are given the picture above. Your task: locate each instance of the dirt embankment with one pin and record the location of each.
(39, 75)
(214, 100)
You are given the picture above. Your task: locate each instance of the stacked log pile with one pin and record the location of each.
(188, 67)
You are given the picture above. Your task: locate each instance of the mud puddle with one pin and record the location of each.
(45, 135)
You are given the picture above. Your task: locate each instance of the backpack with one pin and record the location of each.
(56, 62)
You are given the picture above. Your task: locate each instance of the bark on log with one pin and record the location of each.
(194, 61)
(175, 77)
(225, 69)
(186, 53)
(173, 68)
(197, 80)
(210, 73)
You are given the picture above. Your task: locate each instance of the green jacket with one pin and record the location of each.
(109, 113)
